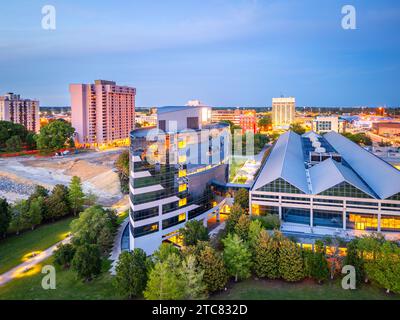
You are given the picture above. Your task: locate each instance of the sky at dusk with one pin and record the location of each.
(224, 52)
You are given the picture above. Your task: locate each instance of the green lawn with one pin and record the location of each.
(68, 287)
(13, 249)
(307, 290)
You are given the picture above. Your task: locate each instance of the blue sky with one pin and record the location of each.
(223, 52)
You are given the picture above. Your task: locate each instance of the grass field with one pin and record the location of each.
(307, 290)
(68, 287)
(14, 249)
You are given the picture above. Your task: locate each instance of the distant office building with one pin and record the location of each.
(326, 124)
(327, 185)
(145, 120)
(172, 172)
(21, 111)
(103, 113)
(386, 128)
(283, 112)
(246, 119)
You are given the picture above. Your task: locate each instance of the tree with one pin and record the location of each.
(131, 273)
(382, 261)
(291, 266)
(122, 165)
(5, 217)
(14, 144)
(266, 255)
(54, 136)
(192, 276)
(353, 258)
(9, 129)
(319, 265)
(64, 255)
(94, 226)
(215, 275)
(242, 198)
(237, 257)
(75, 195)
(297, 128)
(19, 216)
(235, 214)
(385, 269)
(265, 123)
(164, 281)
(35, 213)
(58, 203)
(87, 261)
(39, 192)
(194, 231)
(255, 229)
(242, 227)
(31, 140)
(164, 251)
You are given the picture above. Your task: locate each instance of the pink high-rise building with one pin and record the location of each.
(103, 113)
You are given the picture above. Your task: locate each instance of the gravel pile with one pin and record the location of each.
(7, 185)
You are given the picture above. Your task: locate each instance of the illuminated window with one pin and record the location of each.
(182, 202)
(182, 144)
(182, 159)
(182, 187)
(182, 217)
(255, 209)
(182, 173)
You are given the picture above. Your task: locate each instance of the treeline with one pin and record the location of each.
(245, 248)
(53, 136)
(13, 137)
(122, 165)
(43, 206)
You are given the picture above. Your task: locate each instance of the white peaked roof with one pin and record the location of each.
(380, 176)
(330, 173)
(286, 162)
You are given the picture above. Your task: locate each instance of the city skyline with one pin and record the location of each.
(223, 53)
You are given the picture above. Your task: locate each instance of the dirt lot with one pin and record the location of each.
(18, 176)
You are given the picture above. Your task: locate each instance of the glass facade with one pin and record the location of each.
(345, 190)
(295, 215)
(323, 218)
(364, 222)
(161, 162)
(280, 185)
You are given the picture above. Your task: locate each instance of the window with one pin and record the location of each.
(162, 125)
(182, 217)
(280, 185)
(182, 173)
(145, 214)
(345, 189)
(182, 187)
(182, 202)
(144, 230)
(182, 159)
(182, 144)
(192, 122)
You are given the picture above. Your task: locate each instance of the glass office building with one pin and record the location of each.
(172, 168)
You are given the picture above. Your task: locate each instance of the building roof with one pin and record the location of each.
(359, 167)
(166, 109)
(381, 177)
(286, 162)
(330, 173)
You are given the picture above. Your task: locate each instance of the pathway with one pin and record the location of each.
(26, 266)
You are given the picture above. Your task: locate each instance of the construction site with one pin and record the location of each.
(20, 175)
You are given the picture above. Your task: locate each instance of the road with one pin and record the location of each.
(29, 266)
